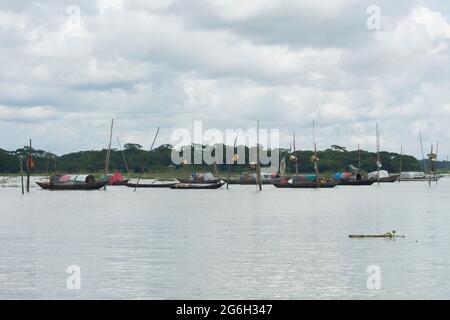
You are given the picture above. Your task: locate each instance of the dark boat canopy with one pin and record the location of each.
(72, 179)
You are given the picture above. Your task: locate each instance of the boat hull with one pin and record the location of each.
(356, 182)
(305, 185)
(190, 186)
(187, 181)
(120, 183)
(73, 187)
(151, 185)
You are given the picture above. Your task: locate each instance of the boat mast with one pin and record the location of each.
(315, 159)
(21, 173)
(296, 160)
(108, 153)
(143, 166)
(258, 164)
(232, 159)
(435, 171)
(123, 156)
(430, 159)
(359, 160)
(423, 153)
(378, 153)
(401, 163)
(29, 165)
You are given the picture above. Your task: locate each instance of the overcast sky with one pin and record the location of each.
(226, 62)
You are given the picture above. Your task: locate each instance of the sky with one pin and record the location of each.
(67, 68)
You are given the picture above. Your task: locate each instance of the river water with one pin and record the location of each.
(227, 244)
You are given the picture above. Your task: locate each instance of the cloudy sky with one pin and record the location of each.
(67, 68)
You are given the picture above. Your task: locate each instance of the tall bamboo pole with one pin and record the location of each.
(232, 159)
(378, 153)
(424, 163)
(359, 160)
(315, 159)
(29, 167)
(258, 164)
(143, 165)
(108, 153)
(21, 174)
(296, 160)
(430, 159)
(435, 170)
(124, 158)
(401, 164)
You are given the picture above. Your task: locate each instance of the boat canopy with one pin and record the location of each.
(113, 178)
(75, 179)
(303, 178)
(412, 175)
(374, 174)
(342, 175)
(207, 176)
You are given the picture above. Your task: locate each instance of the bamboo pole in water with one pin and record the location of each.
(359, 160)
(29, 168)
(435, 170)
(143, 166)
(108, 153)
(21, 174)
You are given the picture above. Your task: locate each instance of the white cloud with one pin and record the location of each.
(170, 62)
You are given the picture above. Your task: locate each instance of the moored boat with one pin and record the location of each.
(305, 184)
(200, 178)
(152, 185)
(67, 182)
(197, 186)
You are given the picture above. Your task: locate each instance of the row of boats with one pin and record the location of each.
(208, 181)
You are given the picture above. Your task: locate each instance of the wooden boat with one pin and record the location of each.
(197, 186)
(200, 178)
(74, 182)
(361, 182)
(187, 181)
(238, 180)
(151, 185)
(57, 187)
(306, 185)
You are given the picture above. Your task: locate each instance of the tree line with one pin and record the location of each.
(332, 159)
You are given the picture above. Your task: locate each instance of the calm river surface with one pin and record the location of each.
(226, 244)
